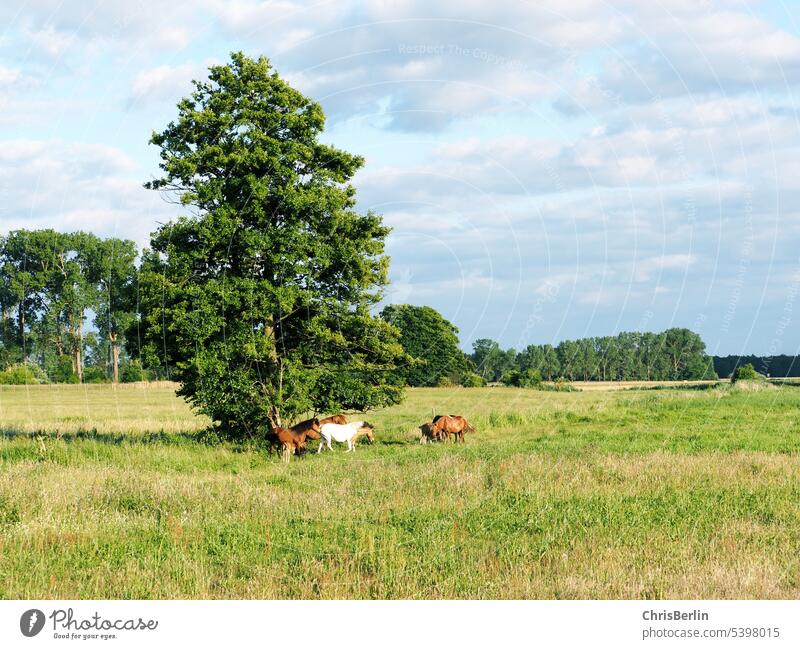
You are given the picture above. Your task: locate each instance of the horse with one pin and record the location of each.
(310, 427)
(289, 441)
(333, 419)
(453, 425)
(345, 433)
(429, 433)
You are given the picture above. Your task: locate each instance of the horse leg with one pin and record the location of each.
(321, 442)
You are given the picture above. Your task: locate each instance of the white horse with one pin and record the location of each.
(345, 433)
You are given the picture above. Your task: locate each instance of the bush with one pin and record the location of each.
(23, 374)
(560, 385)
(94, 375)
(445, 382)
(62, 372)
(744, 373)
(472, 380)
(131, 372)
(530, 378)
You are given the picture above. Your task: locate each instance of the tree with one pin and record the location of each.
(550, 364)
(260, 305)
(568, 357)
(427, 336)
(116, 308)
(490, 360)
(686, 354)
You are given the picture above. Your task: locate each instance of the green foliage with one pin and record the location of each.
(49, 282)
(529, 378)
(260, 305)
(744, 373)
(94, 374)
(23, 374)
(674, 355)
(61, 371)
(490, 360)
(426, 336)
(132, 372)
(472, 380)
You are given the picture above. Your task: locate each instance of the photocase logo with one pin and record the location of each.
(31, 622)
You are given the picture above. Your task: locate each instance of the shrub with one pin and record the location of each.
(94, 375)
(744, 373)
(512, 378)
(472, 380)
(23, 374)
(530, 378)
(62, 371)
(131, 372)
(445, 382)
(562, 385)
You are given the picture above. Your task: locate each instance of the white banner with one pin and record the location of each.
(413, 625)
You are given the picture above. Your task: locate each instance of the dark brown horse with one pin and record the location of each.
(333, 419)
(310, 427)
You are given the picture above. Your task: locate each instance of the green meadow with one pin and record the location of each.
(682, 492)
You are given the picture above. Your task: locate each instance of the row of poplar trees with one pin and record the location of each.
(53, 284)
(672, 355)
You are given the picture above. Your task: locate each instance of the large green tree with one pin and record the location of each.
(260, 303)
(426, 335)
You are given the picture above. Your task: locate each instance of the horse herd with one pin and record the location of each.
(288, 441)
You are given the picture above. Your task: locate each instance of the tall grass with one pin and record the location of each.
(106, 493)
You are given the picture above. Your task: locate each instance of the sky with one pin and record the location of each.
(551, 169)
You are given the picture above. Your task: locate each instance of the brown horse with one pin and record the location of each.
(310, 427)
(287, 440)
(333, 419)
(453, 425)
(429, 433)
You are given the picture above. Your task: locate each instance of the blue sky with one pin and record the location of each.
(551, 169)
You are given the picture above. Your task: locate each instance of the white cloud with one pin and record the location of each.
(166, 82)
(68, 185)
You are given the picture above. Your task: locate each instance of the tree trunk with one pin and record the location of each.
(115, 356)
(21, 325)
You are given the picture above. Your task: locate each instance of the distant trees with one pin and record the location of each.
(426, 335)
(779, 366)
(49, 282)
(675, 354)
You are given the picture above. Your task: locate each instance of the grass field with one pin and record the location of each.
(691, 492)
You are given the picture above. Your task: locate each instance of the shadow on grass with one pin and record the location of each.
(160, 437)
(679, 387)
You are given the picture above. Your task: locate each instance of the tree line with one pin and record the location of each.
(776, 366)
(675, 354)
